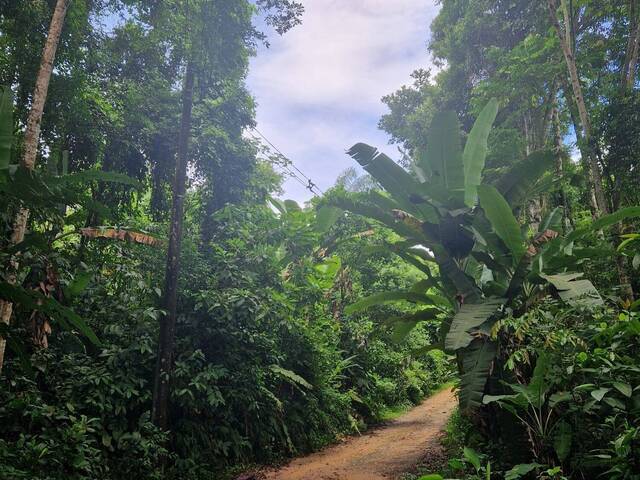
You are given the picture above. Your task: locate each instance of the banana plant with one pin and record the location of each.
(450, 218)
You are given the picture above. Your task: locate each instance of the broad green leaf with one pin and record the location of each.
(499, 214)
(537, 389)
(562, 441)
(368, 207)
(418, 352)
(599, 393)
(402, 187)
(292, 206)
(624, 388)
(291, 376)
(433, 476)
(326, 217)
(387, 297)
(475, 151)
(574, 291)
(487, 399)
(469, 317)
(78, 284)
(519, 471)
(403, 325)
(477, 361)
(423, 285)
(559, 397)
(615, 403)
(603, 222)
(463, 284)
(553, 221)
(6, 126)
(472, 457)
(517, 183)
(628, 239)
(443, 156)
(278, 205)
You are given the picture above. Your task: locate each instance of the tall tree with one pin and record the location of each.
(215, 40)
(566, 37)
(32, 135)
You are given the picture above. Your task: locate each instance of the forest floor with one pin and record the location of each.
(386, 452)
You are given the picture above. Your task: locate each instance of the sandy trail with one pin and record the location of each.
(384, 453)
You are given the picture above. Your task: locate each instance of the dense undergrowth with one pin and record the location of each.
(266, 367)
(505, 236)
(584, 421)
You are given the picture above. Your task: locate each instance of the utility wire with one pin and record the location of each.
(281, 163)
(307, 182)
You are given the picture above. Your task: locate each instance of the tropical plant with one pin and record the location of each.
(488, 261)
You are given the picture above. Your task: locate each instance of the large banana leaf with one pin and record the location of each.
(477, 360)
(388, 297)
(403, 325)
(408, 254)
(363, 205)
(603, 222)
(6, 126)
(575, 291)
(552, 221)
(517, 183)
(394, 179)
(291, 377)
(456, 278)
(469, 317)
(475, 151)
(498, 212)
(326, 217)
(443, 156)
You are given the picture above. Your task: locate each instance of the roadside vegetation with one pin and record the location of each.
(165, 315)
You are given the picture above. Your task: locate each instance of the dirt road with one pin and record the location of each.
(384, 453)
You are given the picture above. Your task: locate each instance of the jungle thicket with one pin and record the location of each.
(166, 315)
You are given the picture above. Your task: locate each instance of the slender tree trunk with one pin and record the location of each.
(595, 177)
(568, 222)
(32, 137)
(633, 47)
(164, 365)
(626, 84)
(584, 154)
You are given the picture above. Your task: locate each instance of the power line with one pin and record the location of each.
(286, 162)
(282, 163)
(307, 182)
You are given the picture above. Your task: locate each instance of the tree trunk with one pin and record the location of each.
(633, 47)
(595, 177)
(626, 84)
(32, 137)
(164, 364)
(567, 221)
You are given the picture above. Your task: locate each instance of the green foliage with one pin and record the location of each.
(470, 317)
(6, 126)
(505, 225)
(475, 151)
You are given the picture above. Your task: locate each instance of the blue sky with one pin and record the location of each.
(318, 87)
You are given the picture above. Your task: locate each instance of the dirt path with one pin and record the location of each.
(384, 453)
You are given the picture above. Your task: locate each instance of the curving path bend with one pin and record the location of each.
(381, 454)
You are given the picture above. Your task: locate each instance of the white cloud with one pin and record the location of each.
(319, 86)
